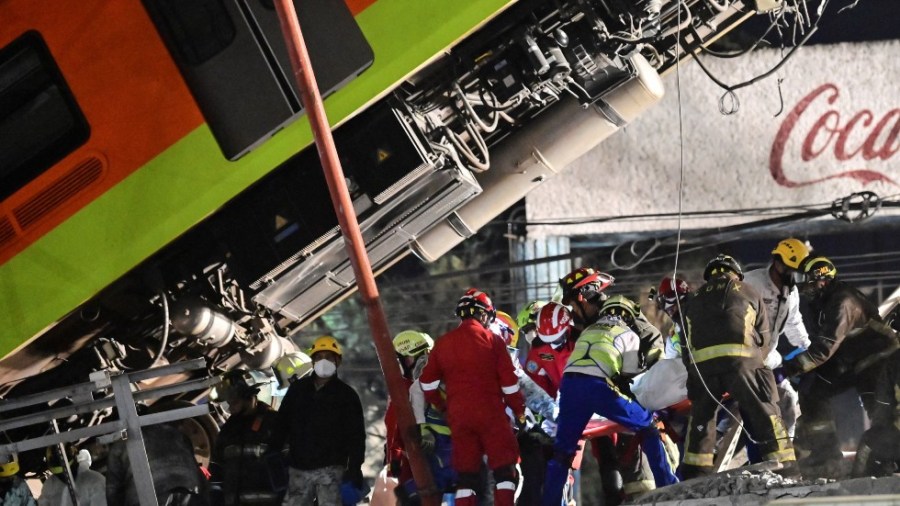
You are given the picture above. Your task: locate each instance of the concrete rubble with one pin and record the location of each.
(742, 487)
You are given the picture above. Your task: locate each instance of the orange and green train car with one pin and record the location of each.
(127, 163)
(152, 164)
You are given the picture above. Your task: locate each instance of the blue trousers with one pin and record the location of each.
(580, 397)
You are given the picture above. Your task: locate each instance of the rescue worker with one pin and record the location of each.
(539, 405)
(636, 475)
(90, 486)
(878, 453)
(671, 298)
(547, 357)
(540, 411)
(13, 489)
(480, 382)
(848, 350)
(321, 420)
(177, 478)
(777, 283)
(605, 349)
(727, 337)
(545, 363)
(412, 349)
(242, 443)
(592, 284)
(629, 311)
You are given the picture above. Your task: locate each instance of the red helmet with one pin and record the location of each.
(671, 293)
(474, 303)
(586, 283)
(553, 323)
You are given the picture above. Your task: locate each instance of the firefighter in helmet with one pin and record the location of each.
(728, 338)
(850, 348)
(239, 469)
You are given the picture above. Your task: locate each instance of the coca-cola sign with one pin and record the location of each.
(817, 134)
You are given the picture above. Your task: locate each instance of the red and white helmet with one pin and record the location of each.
(554, 322)
(670, 293)
(473, 303)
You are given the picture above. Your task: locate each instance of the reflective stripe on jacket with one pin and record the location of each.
(605, 349)
(726, 319)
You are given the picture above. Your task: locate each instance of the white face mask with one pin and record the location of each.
(324, 368)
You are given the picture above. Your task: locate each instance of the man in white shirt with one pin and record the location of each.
(777, 285)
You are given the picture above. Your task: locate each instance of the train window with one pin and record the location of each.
(40, 122)
(197, 30)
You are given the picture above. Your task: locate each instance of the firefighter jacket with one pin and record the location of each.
(727, 319)
(545, 364)
(842, 314)
(606, 349)
(172, 466)
(323, 427)
(239, 452)
(783, 307)
(477, 373)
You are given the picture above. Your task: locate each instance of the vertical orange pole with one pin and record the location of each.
(356, 249)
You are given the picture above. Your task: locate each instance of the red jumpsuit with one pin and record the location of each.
(545, 365)
(480, 382)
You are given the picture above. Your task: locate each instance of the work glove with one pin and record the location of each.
(427, 440)
(623, 383)
(521, 423)
(789, 369)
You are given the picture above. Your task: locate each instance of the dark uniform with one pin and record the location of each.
(879, 450)
(847, 350)
(239, 453)
(326, 434)
(727, 339)
(176, 476)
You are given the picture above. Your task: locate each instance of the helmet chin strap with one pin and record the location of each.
(559, 343)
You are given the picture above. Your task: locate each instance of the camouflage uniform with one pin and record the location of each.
(14, 492)
(305, 486)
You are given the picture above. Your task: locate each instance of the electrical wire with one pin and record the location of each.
(679, 230)
(165, 336)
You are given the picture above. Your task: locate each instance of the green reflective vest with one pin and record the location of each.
(595, 353)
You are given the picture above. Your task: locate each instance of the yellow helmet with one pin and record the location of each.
(326, 343)
(9, 465)
(297, 364)
(819, 268)
(411, 343)
(505, 320)
(792, 252)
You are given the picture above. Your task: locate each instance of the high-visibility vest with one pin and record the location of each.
(595, 352)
